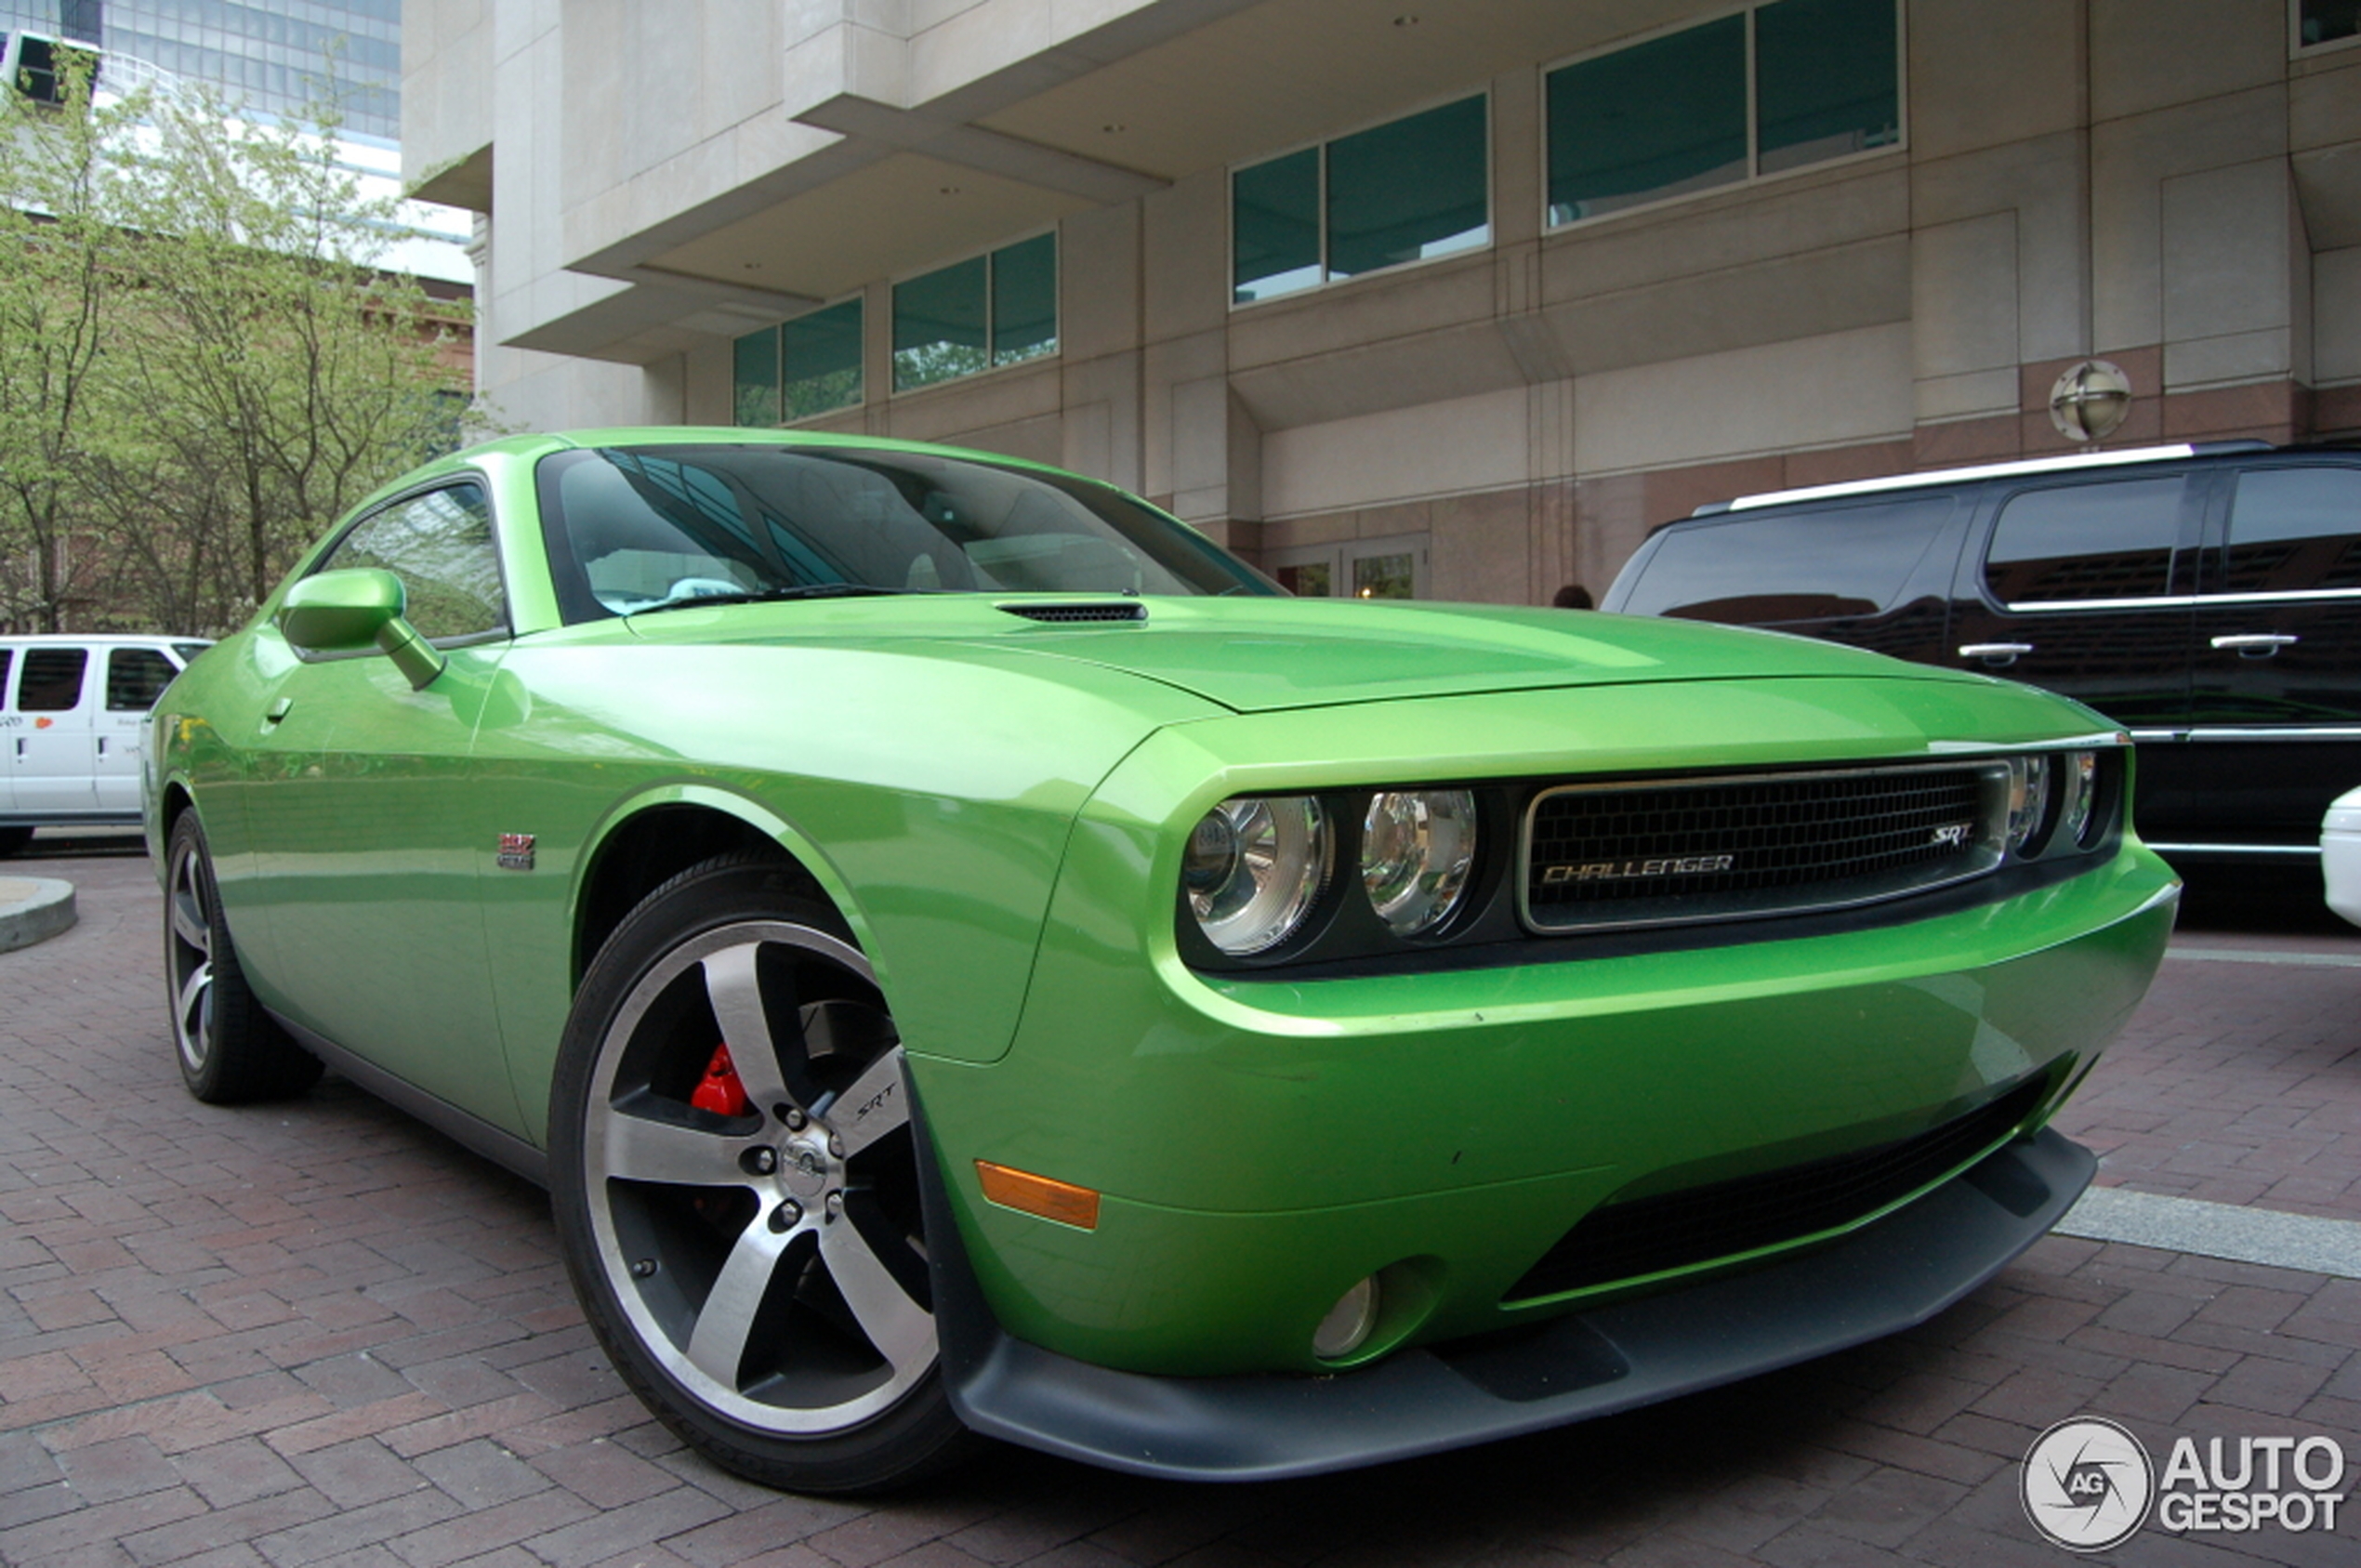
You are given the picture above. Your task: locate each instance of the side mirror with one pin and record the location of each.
(353, 611)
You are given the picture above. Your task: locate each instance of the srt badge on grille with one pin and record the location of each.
(1953, 835)
(1626, 871)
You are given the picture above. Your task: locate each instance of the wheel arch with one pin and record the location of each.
(655, 836)
(173, 800)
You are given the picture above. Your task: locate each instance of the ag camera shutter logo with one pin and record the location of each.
(2086, 1485)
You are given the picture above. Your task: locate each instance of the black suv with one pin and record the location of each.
(2208, 599)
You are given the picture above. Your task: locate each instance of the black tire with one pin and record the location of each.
(759, 1280)
(14, 838)
(229, 1050)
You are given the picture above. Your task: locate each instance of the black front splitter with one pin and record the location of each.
(1887, 1276)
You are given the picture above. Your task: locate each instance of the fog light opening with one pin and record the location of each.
(1348, 1326)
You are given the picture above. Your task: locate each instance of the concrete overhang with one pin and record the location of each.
(466, 183)
(975, 126)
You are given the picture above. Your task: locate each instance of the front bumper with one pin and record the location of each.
(1884, 1277)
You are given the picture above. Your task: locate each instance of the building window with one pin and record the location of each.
(1674, 114)
(1363, 569)
(1407, 190)
(809, 366)
(2326, 21)
(977, 314)
(41, 68)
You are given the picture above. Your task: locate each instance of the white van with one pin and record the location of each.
(72, 714)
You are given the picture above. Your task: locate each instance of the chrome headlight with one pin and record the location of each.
(2029, 798)
(2078, 796)
(1253, 868)
(1417, 846)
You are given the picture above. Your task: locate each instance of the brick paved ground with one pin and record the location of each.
(318, 1334)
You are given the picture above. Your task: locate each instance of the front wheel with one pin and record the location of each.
(736, 1180)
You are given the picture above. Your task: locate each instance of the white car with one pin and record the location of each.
(2341, 855)
(72, 712)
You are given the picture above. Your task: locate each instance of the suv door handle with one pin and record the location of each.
(1997, 654)
(2257, 644)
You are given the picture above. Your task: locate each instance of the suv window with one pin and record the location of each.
(52, 679)
(2086, 541)
(1798, 566)
(5, 655)
(2295, 531)
(439, 545)
(135, 677)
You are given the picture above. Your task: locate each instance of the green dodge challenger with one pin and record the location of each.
(966, 955)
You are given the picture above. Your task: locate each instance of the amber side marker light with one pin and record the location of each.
(1028, 1193)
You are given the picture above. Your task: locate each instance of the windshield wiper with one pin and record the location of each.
(772, 596)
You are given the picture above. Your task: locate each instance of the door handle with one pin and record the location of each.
(2257, 644)
(1997, 654)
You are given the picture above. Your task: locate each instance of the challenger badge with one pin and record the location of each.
(516, 852)
(1625, 871)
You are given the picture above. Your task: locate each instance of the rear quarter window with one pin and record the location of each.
(1769, 568)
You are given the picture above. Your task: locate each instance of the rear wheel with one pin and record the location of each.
(229, 1050)
(735, 1179)
(14, 838)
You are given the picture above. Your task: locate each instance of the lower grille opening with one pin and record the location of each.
(1640, 1236)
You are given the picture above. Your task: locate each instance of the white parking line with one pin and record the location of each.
(2265, 955)
(2226, 1230)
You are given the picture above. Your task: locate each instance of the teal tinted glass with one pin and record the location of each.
(1660, 119)
(1025, 300)
(1407, 191)
(939, 325)
(2325, 21)
(1825, 81)
(1274, 227)
(756, 378)
(820, 361)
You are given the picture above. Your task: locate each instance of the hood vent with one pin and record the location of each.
(1068, 614)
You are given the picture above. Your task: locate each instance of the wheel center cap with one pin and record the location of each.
(804, 1168)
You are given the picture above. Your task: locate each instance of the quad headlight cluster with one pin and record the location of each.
(1254, 864)
(2053, 798)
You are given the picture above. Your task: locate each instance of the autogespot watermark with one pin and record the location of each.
(2088, 1485)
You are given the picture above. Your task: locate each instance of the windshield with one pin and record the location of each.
(632, 529)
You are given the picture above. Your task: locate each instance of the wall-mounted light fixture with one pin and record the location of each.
(2089, 401)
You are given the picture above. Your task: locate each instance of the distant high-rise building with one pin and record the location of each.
(278, 56)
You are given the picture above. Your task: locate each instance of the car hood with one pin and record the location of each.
(1259, 655)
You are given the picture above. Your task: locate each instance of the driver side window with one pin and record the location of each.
(439, 545)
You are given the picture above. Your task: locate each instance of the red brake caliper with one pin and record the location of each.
(719, 1091)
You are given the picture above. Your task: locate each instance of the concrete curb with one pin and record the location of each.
(33, 909)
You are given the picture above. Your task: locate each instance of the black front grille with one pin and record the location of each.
(1631, 1238)
(1678, 849)
(1129, 609)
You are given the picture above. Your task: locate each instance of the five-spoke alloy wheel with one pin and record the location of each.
(735, 1178)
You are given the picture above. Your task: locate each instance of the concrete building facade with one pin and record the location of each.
(1450, 297)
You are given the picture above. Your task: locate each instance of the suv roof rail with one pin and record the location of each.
(2067, 464)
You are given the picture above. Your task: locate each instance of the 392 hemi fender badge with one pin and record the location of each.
(516, 852)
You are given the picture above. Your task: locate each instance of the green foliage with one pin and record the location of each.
(199, 366)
